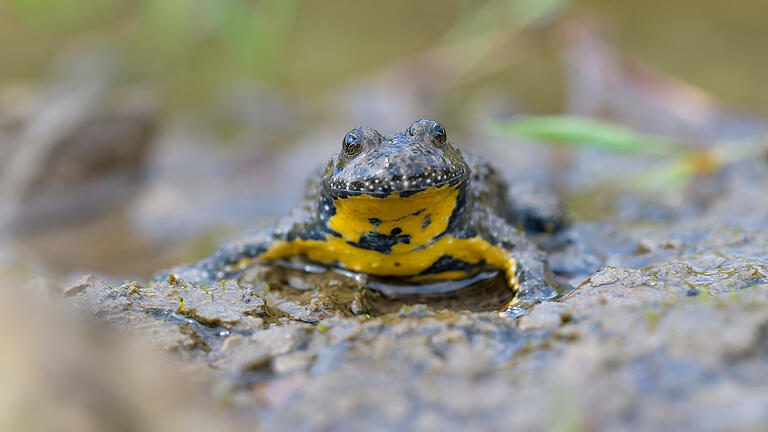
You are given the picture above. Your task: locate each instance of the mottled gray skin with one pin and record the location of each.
(406, 163)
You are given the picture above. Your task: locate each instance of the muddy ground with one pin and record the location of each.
(666, 328)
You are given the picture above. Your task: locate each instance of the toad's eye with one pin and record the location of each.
(352, 144)
(431, 129)
(437, 132)
(358, 139)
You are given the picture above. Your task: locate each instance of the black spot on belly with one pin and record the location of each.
(416, 213)
(396, 231)
(427, 222)
(381, 242)
(449, 263)
(374, 221)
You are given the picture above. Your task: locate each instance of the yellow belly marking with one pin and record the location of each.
(352, 221)
(473, 250)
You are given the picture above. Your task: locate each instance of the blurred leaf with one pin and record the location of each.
(680, 165)
(671, 174)
(197, 46)
(173, 19)
(258, 38)
(574, 131)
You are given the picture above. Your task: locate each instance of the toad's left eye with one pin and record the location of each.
(434, 130)
(437, 133)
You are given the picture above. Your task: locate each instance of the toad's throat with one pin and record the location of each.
(395, 224)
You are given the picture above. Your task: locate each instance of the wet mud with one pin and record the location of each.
(663, 326)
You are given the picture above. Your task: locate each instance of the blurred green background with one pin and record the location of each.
(192, 48)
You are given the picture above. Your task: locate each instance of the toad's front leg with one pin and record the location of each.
(273, 243)
(524, 264)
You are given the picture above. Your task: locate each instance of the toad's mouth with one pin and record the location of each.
(396, 185)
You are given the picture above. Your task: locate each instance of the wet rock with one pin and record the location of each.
(738, 277)
(250, 357)
(649, 245)
(547, 315)
(675, 271)
(292, 363)
(85, 282)
(281, 340)
(233, 304)
(616, 285)
(415, 311)
(177, 340)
